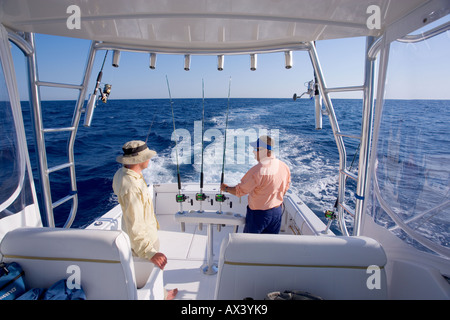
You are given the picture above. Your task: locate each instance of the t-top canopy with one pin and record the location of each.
(205, 26)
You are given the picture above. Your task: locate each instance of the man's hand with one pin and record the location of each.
(227, 188)
(159, 259)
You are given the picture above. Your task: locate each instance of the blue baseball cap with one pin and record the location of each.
(262, 143)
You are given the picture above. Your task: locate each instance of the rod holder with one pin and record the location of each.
(220, 61)
(90, 109)
(116, 58)
(153, 61)
(288, 59)
(187, 62)
(253, 61)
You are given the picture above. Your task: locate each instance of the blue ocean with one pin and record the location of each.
(311, 154)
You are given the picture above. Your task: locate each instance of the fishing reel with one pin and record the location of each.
(330, 215)
(310, 91)
(221, 197)
(201, 197)
(105, 93)
(180, 198)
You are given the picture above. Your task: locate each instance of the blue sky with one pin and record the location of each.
(64, 59)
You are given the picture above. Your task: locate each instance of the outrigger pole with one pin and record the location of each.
(220, 197)
(180, 198)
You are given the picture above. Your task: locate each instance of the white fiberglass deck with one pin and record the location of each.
(187, 253)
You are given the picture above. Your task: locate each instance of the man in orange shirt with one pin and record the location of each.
(266, 184)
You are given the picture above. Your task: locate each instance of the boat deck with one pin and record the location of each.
(187, 253)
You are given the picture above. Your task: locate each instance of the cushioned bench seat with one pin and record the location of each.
(101, 257)
(252, 265)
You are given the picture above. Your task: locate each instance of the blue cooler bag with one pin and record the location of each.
(11, 281)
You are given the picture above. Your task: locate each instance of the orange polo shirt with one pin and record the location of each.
(265, 183)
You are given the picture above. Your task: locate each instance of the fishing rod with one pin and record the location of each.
(180, 198)
(93, 99)
(201, 196)
(221, 197)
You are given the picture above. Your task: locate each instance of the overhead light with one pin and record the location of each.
(187, 62)
(152, 61)
(116, 58)
(288, 59)
(220, 60)
(253, 61)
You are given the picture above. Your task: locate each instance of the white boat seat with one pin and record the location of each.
(253, 265)
(103, 256)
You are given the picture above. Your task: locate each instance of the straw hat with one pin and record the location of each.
(135, 152)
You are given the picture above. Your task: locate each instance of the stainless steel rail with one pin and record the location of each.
(27, 44)
(365, 138)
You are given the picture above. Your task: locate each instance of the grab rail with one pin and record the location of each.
(365, 138)
(27, 45)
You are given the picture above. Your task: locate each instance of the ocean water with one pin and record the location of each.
(311, 154)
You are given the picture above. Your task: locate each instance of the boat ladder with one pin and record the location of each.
(40, 132)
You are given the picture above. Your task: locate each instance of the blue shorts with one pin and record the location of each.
(263, 221)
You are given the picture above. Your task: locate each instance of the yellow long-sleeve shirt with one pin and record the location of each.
(138, 219)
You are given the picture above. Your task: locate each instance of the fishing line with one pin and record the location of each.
(180, 197)
(104, 59)
(150, 129)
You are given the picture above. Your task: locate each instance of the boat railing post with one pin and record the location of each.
(366, 136)
(35, 102)
(335, 127)
(39, 132)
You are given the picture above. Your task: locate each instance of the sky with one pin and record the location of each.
(64, 59)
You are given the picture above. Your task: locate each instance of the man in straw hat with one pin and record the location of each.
(138, 218)
(266, 184)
